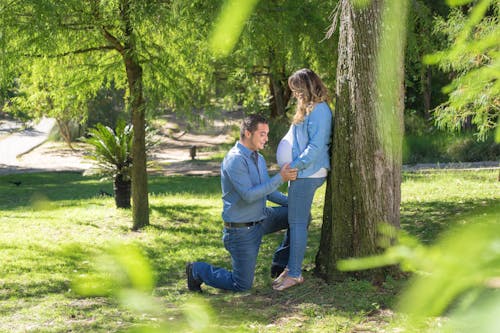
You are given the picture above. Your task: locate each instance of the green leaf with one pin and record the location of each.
(229, 25)
(453, 3)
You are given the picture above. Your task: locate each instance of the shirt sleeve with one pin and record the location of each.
(318, 131)
(278, 198)
(239, 175)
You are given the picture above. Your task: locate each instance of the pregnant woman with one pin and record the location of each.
(306, 146)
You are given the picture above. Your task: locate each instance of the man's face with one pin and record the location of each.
(257, 139)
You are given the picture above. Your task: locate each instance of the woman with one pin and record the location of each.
(306, 145)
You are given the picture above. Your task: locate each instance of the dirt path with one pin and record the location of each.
(170, 157)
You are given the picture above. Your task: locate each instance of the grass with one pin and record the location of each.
(55, 226)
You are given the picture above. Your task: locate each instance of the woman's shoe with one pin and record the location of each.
(288, 282)
(281, 277)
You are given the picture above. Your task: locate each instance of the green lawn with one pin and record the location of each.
(56, 227)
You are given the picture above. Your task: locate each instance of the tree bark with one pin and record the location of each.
(363, 188)
(278, 100)
(140, 206)
(278, 87)
(427, 91)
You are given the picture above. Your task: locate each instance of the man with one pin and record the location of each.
(246, 186)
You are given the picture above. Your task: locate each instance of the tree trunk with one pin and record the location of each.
(363, 188)
(278, 87)
(121, 190)
(140, 207)
(65, 131)
(427, 91)
(280, 95)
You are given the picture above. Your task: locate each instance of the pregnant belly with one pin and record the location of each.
(284, 152)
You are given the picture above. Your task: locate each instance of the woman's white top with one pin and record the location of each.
(284, 151)
(284, 154)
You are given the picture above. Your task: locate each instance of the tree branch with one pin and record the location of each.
(60, 55)
(113, 40)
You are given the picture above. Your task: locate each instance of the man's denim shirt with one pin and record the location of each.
(311, 143)
(245, 188)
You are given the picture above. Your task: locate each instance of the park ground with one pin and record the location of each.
(66, 252)
(70, 263)
(30, 149)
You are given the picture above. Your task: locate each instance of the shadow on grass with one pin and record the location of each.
(427, 220)
(21, 190)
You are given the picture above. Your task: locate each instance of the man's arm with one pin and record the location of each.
(238, 173)
(278, 198)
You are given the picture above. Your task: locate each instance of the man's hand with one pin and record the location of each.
(288, 173)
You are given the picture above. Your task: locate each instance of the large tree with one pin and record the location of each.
(363, 190)
(65, 51)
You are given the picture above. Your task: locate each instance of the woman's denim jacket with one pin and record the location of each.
(310, 151)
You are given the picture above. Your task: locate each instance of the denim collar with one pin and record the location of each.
(244, 150)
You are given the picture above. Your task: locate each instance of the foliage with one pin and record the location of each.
(112, 150)
(69, 232)
(69, 60)
(473, 56)
(441, 147)
(389, 76)
(106, 107)
(420, 78)
(278, 38)
(66, 53)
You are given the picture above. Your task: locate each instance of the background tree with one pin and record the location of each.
(278, 38)
(364, 187)
(423, 82)
(473, 57)
(65, 51)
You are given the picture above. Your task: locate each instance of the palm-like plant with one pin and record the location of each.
(112, 154)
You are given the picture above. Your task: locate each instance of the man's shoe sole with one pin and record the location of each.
(192, 283)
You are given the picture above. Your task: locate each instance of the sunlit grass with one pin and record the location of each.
(55, 226)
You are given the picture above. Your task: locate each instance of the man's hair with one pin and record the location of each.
(250, 123)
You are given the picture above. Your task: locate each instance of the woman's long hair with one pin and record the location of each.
(309, 90)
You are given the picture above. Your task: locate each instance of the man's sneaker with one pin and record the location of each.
(276, 270)
(193, 284)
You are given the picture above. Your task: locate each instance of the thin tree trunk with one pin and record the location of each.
(278, 87)
(65, 131)
(277, 103)
(427, 92)
(140, 207)
(363, 188)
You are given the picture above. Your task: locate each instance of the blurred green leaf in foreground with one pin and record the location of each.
(457, 276)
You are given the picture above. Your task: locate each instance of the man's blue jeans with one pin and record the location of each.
(300, 196)
(243, 244)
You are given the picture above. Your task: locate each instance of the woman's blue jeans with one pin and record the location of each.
(300, 196)
(243, 244)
